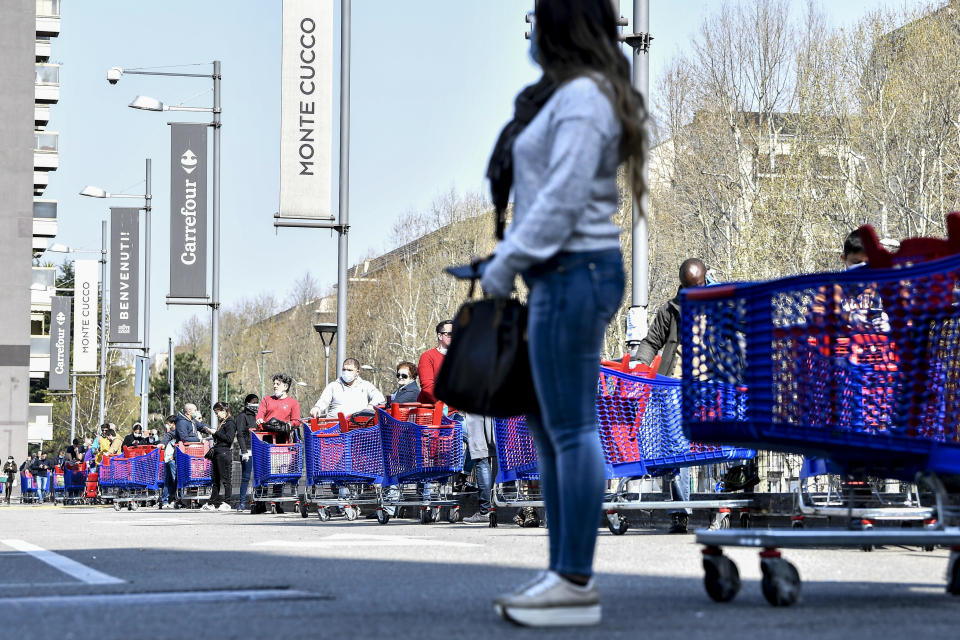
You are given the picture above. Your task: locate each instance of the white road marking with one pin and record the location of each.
(363, 540)
(70, 567)
(167, 597)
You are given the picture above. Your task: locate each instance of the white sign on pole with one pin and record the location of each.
(306, 104)
(40, 430)
(85, 315)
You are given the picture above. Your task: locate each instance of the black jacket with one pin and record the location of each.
(224, 436)
(40, 467)
(131, 440)
(664, 334)
(10, 469)
(245, 421)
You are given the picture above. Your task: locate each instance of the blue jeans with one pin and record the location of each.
(484, 478)
(41, 486)
(246, 468)
(680, 489)
(572, 298)
(170, 481)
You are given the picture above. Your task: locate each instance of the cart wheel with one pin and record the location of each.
(928, 548)
(425, 515)
(116, 506)
(176, 504)
(273, 508)
(493, 520)
(435, 514)
(797, 524)
(866, 547)
(303, 509)
(744, 520)
(721, 578)
(382, 516)
(323, 514)
(953, 574)
(454, 515)
(781, 582)
(351, 513)
(134, 506)
(617, 524)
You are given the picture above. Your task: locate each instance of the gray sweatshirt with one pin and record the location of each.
(565, 184)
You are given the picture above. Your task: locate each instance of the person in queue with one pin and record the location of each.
(431, 360)
(190, 424)
(168, 443)
(563, 155)
(222, 463)
(407, 388)
(246, 420)
(280, 406)
(348, 394)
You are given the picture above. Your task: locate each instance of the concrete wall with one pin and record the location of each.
(17, 37)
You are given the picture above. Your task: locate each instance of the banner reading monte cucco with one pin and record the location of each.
(85, 280)
(306, 108)
(124, 274)
(188, 210)
(59, 343)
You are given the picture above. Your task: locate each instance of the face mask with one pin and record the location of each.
(196, 415)
(348, 376)
(253, 407)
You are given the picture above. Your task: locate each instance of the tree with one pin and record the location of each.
(191, 383)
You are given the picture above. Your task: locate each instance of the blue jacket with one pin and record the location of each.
(187, 429)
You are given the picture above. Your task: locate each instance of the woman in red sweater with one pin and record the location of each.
(280, 406)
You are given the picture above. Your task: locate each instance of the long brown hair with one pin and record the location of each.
(574, 37)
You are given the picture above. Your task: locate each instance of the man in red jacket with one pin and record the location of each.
(430, 362)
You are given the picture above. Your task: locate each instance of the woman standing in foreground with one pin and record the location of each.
(588, 120)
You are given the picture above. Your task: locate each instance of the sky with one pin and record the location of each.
(432, 83)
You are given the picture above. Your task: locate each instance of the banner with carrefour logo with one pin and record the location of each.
(188, 210)
(306, 109)
(59, 343)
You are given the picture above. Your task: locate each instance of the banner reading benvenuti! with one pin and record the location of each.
(124, 274)
(85, 280)
(188, 210)
(306, 118)
(59, 343)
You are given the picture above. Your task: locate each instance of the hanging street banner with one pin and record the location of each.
(59, 343)
(306, 109)
(85, 279)
(188, 210)
(124, 274)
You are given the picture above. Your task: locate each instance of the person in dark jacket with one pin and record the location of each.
(664, 336)
(39, 469)
(9, 470)
(189, 423)
(222, 463)
(136, 438)
(407, 388)
(167, 442)
(245, 421)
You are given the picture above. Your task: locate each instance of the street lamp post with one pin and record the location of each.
(97, 192)
(327, 331)
(226, 384)
(152, 104)
(263, 371)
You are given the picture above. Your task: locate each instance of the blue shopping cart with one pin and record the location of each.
(277, 470)
(344, 464)
(892, 413)
(194, 479)
(134, 481)
(28, 488)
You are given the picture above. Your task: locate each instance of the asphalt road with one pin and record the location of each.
(185, 573)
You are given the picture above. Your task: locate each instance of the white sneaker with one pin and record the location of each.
(552, 601)
(224, 507)
(208, 507)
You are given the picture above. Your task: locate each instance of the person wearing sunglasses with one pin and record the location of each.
(431, 360)
(407, 388)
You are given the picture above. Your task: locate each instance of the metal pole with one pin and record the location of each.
(73, 410)
(215, 302)
(326, 365)
(637, 319)
(170, 373)
(145, 386)
(103, 321)
(344, 191)
(263, 374)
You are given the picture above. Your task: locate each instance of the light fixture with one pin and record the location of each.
(58, 247)
(93, 192)
(147, 104)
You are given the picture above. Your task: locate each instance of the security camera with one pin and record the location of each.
(113, 75)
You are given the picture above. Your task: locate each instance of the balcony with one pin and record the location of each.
(40, 421)
(42, 49)
(48, 18)
(42, 288)
(39, 356)
(41, 115)
(40, 181)
(46, 156)
(44, 219)
(46, 80)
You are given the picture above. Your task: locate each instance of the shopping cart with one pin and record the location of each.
(28, 488)
(420, 455)
(75, 482)
(57, 484)
(194, 483)
(133, 482)
(277, 469)
(757, 335)
(344, 463)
